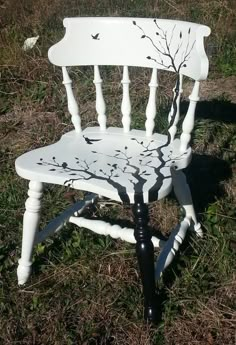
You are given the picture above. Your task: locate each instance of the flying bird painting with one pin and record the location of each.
(96, 37)
(90, 141)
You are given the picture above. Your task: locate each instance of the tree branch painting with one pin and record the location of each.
(172, 57)
(168, 55)
(120, 163)
(84, 172)
(127, 169)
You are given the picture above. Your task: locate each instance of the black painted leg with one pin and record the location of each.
(145, 254)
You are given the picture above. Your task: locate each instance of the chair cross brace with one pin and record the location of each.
(145, 244)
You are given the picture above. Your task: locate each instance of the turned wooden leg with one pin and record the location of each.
(30, 228)
(183, 194)
(145, 254)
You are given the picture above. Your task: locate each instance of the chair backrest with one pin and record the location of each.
(160, 44)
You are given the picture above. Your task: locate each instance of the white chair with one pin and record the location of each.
(131, 166)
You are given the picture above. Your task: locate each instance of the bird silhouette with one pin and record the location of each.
(90, 141)
(95, 37)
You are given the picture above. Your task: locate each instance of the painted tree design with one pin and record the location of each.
(166, 56)
(173, 59)
(137, 175)
(84, 172)
(157, 153)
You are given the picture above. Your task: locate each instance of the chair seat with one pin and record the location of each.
(126, 167)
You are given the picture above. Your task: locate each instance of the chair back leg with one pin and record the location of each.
(183, 194)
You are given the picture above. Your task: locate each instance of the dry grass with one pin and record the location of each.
(215, 319)
(85, 289)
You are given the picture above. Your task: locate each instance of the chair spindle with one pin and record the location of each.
(177, 90)
(126, 104)
(188, 122)
(100, 103)
(71, 101)
(151, 106)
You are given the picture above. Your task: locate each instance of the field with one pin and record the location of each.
(85, 289)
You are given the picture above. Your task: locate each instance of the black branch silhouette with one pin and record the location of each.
(171, 161)
(137, 175)
(84, 172)
(157, 152)
(159, 175)
(168, 57)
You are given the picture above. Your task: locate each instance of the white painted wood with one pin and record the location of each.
(107, 163)
(30, 229)
(173, 129)
(179, 46)
(151, 106)
(198, 230)
(118, 163)
(171, 247)
(57, 223)
(183, 194)
(115, 231)
(126, 104)
(188, 122)
(100, 103)
(72, 104)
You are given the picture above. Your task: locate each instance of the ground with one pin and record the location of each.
(85, 289)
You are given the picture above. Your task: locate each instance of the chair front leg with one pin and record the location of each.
(30, 228)
(145, 254)
(183, 194)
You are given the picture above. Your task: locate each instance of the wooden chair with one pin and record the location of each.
(130, 166)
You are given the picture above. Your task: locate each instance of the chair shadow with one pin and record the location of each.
(215, 109)
(204, 176)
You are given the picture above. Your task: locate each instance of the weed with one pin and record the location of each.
(226, 61)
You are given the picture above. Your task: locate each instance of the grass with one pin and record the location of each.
(85, 289)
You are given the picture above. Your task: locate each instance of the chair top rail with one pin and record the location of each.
(165, 44)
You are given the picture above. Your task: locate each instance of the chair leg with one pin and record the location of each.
(145, 254)
(30, 228)
(183, 194)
